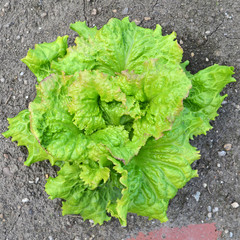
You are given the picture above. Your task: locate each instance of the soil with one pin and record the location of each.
(208, 31)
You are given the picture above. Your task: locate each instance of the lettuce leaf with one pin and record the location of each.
(39, 59)
(19, 130)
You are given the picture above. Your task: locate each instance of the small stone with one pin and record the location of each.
(125, 11)
(77, 238)
(224, 102)
(6, 4)
(91, 221)
(36, 180)
(209, 215)
(50, 238)
(207, 32)
(230, 234)
(26, 97)
(207, 60)
(227, 146)
(1, 216)
(197, 196)
(222, 153)
(226, 231)
(43, 15)
(25, 200)
(192, 54)
(235, 205)
(94, 11)
(215, 210)
(147, 18)
(137, 21)
(209, 208)
(20, 158)
(6, 171)
(114, 10)
(5, 155)
(25, 82)
(2, 80)
(18, 37)
(21, 73)
(204, 185)
(181, 41)
(31, 182)
(46, 175)
(218, 165)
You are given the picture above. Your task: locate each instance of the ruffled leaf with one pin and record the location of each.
(19, 130)
(39, 59)
(119, 45)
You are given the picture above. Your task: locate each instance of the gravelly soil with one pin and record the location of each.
(209, 33)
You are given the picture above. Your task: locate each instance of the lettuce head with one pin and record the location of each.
(115, 112)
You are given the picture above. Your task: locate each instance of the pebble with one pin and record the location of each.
(230, 234)
(222, 153)
(209, 215)
(136, 21)
(36, 180)
(1, 216)
(94, 11)
(114, 10)
(207, 32)
(192, 54)
(181, 41)
(31, 182)
(207, 60)
(18, 37)
(218, 165)
(224, 102)
(91, 221)
(6, 171)
(25, 200)
(227, 146)
(77, 238)
(5, 155)
(43, 15)
(209, 208)
(26, 97)
(125, 10)
(235, 205)
(197, 195)
(204, 185)
(2, 80)
(21, 73)
(147, 18)
(25, 82)
(20, 158)
(50, 238)
(6, 4)
(226, 231)
(215, 210)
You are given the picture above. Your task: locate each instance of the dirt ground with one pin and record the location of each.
(208, 31)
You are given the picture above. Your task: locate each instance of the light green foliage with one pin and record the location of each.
(117, 111)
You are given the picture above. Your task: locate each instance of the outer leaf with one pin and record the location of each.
(91, 204)
(161, 167)
(39, 59)
(118, 46)
(19, 130)
(204, 99)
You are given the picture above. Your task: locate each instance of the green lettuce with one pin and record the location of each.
(115, 112)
